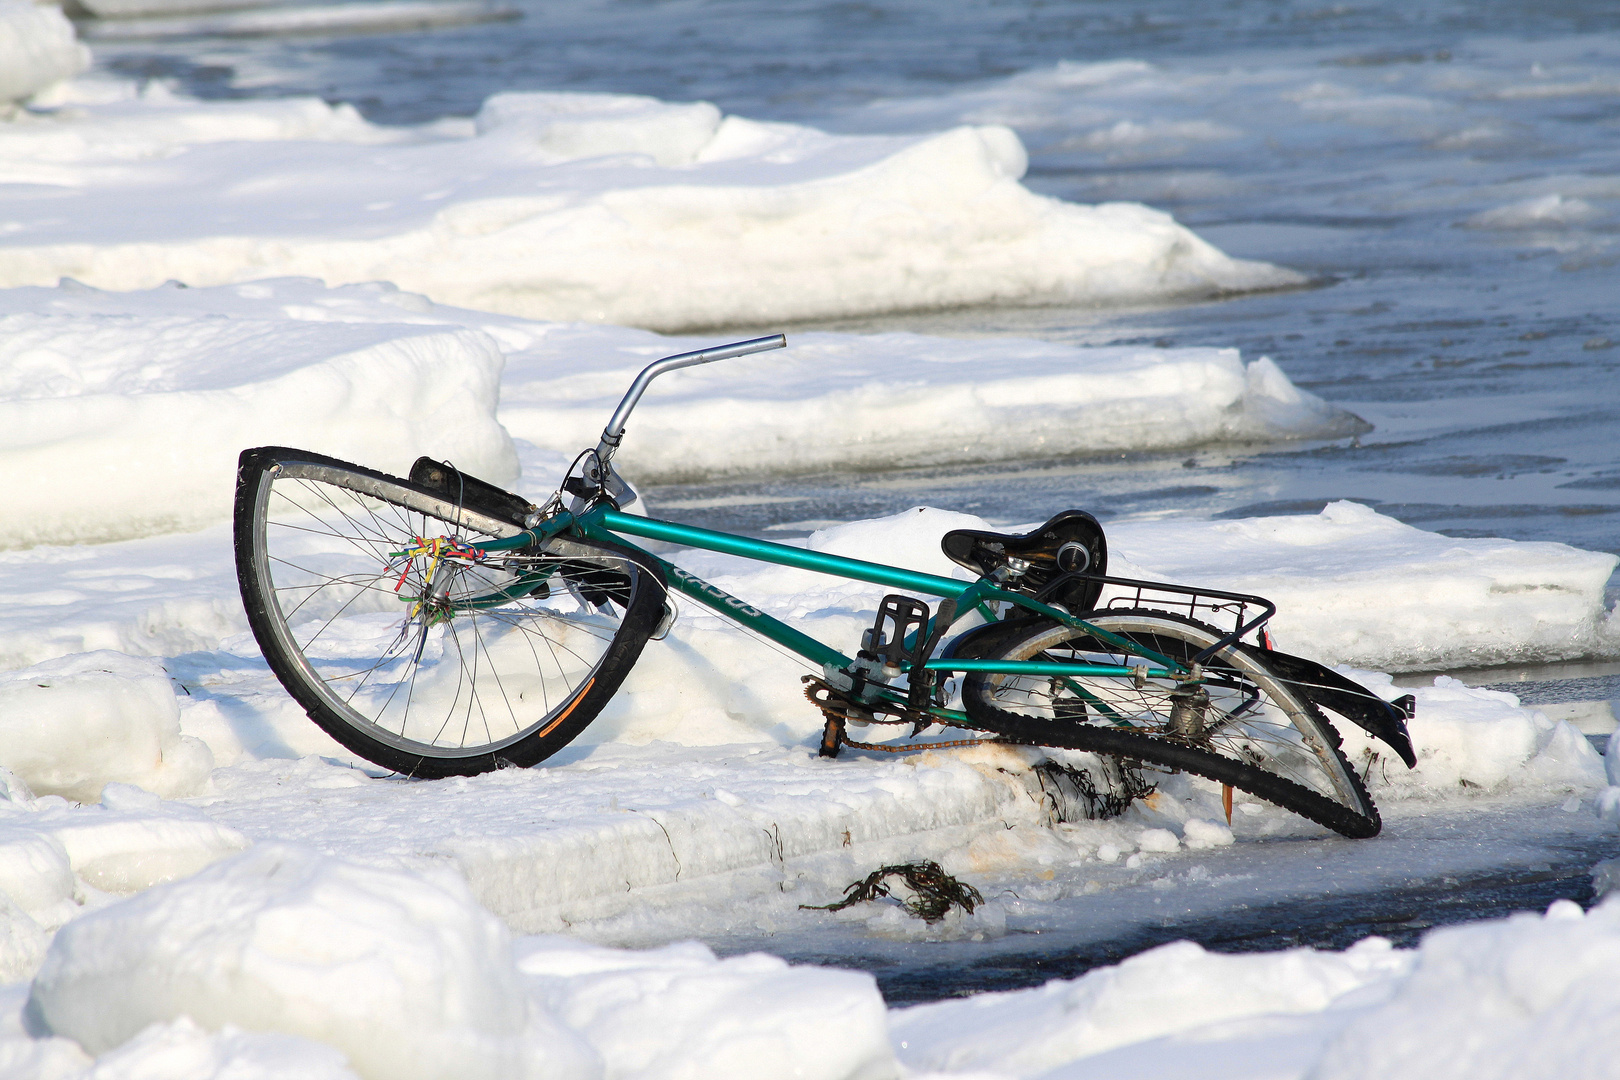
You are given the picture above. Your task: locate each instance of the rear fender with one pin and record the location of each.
(1323, 686)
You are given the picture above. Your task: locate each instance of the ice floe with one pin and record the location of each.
(404, 973)
(71, 726)
(123, 413)
(37, 50)
(574, 206)
(301, 949)
(122, 424)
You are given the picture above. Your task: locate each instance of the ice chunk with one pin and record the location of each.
(125, 411)
(678, 1012)
(402, 972)
(596, 207)
(1354, 586)
(35, 872)
(1468, 737)
(37, 48)
(1169, 990)
(71, 726)
(127, 852)
(885, 400)
(1525, 996)
(1540, 212)
(117, 426)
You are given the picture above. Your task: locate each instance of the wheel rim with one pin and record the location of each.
(412, 633)
(1250, 718)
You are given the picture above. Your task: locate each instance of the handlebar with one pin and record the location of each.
(614, 432)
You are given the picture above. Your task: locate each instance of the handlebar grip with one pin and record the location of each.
(615, 427)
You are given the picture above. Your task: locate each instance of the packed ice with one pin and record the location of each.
(572, 206)
(37, 51)
(122, 413)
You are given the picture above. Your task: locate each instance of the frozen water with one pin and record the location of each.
(37, 50)
(71, 726)
(558, 206)
(123, 413)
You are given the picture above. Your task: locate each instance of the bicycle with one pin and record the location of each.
(438, 625)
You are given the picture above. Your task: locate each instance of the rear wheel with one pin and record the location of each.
(1241, 726)
(382, 615)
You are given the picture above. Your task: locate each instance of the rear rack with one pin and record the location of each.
(1216, 604)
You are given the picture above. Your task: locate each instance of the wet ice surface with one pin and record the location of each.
(1428, 868)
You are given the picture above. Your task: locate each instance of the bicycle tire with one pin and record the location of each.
(427, 657)
(1257, 735)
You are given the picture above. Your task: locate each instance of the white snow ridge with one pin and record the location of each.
(580, 206)
(37, 50)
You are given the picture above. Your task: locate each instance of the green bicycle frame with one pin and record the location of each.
(603, 523)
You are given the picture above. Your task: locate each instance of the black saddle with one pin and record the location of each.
(1070, 543)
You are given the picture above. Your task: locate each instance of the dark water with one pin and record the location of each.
(1401, 915)
(809, 59)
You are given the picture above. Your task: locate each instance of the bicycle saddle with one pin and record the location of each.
(1070, 543)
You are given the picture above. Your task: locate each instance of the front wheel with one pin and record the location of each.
(1241, 726)
(381, 613)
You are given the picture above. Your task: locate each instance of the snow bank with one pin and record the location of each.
(677, 1013)
(581, 206)
(402, 972)
(1353, 586)
(37, 49)
(73, 725)
(1172, 990)
(121, 414)
(1530, 996)
(886, 400)
(117, 425)
(1468, 737)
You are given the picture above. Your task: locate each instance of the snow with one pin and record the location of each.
(120, 425)
(123, 413)
(71, 726)
(37, 49)
(403, 972)
(573, 206)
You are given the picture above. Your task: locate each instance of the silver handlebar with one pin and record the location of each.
(614, 432)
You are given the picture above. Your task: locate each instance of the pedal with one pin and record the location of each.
(885, 644)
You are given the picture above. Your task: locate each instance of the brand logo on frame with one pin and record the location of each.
(739, 606)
